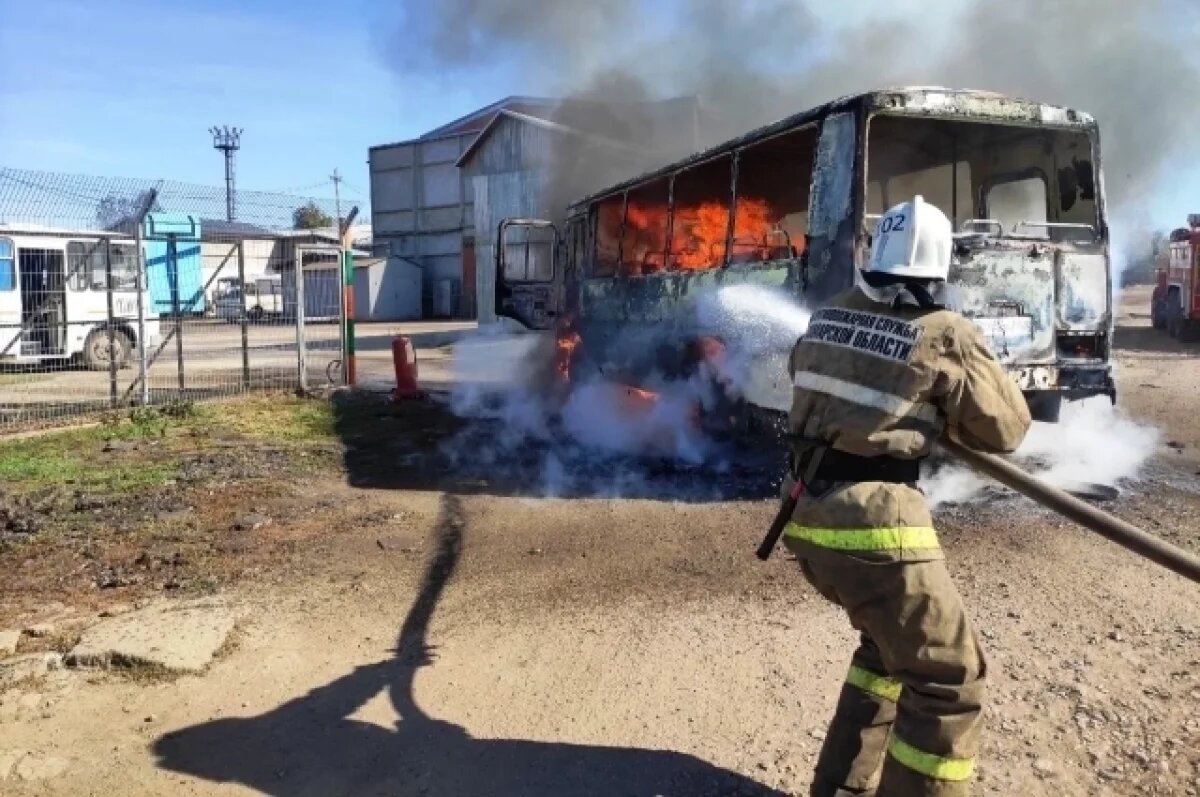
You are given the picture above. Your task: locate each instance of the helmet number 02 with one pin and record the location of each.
(892, 223)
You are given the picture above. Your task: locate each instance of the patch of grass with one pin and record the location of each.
(32, 464)
(20, 463)
(283, 418)
(76, 457)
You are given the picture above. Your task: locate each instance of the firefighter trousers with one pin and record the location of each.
(908, 718)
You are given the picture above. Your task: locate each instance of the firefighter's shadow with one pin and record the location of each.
(312, 746)
(423, 445)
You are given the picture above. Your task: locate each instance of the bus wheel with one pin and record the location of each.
(96, 351)
(1175, 325)
(255, 314)
(1158, 316)
(1189, 330)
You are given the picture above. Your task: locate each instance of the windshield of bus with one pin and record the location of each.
(1006, 180)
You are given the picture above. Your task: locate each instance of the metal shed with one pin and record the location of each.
(387, 289)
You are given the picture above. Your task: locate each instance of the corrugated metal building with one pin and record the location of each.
(437, 200)
(509, 167)
(422, 205)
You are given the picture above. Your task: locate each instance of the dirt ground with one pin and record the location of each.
(427, 623)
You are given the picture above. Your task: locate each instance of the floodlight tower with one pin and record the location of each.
(228, 140)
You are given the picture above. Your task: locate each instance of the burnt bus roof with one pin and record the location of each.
(929, 101)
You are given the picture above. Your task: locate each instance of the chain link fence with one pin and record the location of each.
(121, 292)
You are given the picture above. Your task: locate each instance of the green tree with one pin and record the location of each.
(311, 217)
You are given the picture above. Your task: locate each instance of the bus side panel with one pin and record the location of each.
(634, 327)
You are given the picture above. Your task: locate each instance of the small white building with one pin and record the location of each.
(386, 289)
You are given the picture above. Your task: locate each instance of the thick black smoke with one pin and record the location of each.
(755, 61)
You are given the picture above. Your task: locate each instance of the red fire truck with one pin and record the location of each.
(1175, 305)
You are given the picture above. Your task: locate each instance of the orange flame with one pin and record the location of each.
(698, 236)
(564, 347)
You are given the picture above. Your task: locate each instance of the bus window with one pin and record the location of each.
(771, 212)
(86, 267)
(8, 270)
(701, 215)
(124, 267)
(644, 238)
(976, 170)
(1012, 202)
(577, 243)
(609, 214)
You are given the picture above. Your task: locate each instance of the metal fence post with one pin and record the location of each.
(112, 324)
(343, 330)
(349, 369)
(140, 262)
(173, 270)
(241, 266)
(301, 341)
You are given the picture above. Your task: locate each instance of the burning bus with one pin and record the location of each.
(791, 206)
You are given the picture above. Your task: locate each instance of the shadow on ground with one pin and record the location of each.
(311, 746)
(422, 445)
(1148, 339)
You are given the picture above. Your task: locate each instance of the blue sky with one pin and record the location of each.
(130, 88)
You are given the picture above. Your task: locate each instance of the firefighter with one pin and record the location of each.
(881, 372)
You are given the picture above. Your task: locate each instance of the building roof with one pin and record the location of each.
(221, 228)
(545, 124)
(477, 120)
(571, 110)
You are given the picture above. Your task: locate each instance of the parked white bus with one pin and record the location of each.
(54, 305)
(261, 298)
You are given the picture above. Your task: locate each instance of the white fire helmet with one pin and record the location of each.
(913, 239)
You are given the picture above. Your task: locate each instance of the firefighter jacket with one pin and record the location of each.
(879, 380)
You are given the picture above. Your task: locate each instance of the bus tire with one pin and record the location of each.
(255, 314)
(95, 349)
(1175, 325)
(1189, 330)
(1158, 316)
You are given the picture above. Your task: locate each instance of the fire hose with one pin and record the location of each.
(1112, 528)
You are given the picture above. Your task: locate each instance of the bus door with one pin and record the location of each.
(529, 272)
(43, 301)
(10, 301)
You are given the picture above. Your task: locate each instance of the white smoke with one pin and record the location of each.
(500, 376)
(1093, 443)
(610, 417)
(757, 317)
(509, 379)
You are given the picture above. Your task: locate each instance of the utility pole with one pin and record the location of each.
(344, 275)
(228, 140)
(337, 201)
